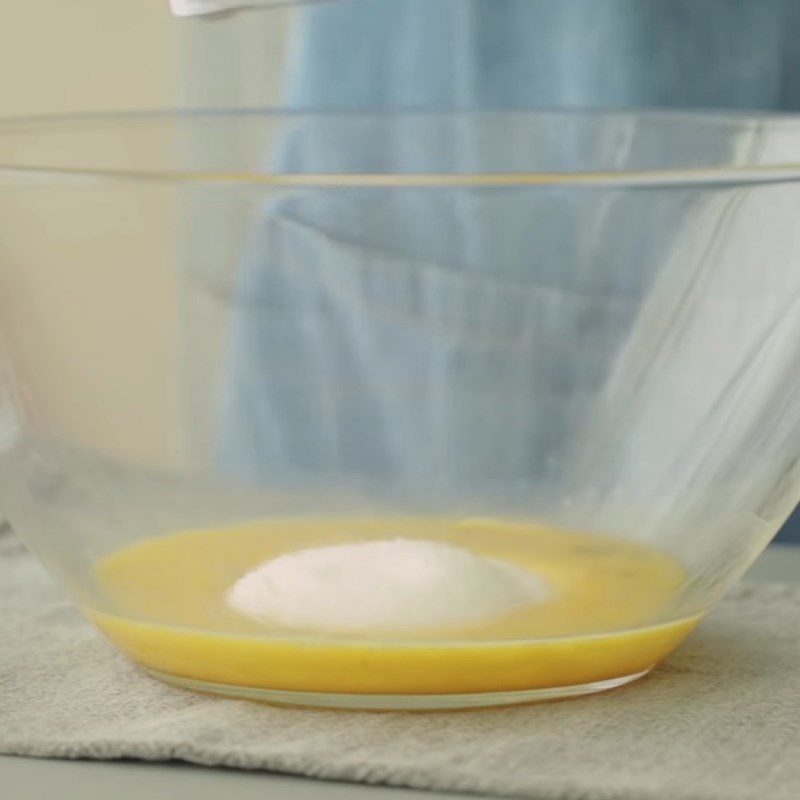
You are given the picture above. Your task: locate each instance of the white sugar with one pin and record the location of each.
(383, 586)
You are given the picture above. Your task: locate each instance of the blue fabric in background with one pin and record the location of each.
(528, 53)
(506, 54)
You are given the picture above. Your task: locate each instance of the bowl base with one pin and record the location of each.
(393, 702)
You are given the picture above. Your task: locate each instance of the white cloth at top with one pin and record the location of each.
(196, 8)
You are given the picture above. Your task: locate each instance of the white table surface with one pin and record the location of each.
(35, 779)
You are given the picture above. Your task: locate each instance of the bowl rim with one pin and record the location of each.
(711, 175)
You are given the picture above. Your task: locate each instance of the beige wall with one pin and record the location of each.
(67, 55)
(90, 300)
(87, 275)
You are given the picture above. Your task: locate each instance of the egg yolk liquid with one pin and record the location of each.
(608, 615)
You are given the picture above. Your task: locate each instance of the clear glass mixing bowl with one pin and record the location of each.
(277, 330)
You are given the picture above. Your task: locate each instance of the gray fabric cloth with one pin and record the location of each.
(721, 720)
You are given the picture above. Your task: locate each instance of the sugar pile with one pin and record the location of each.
(382, 586)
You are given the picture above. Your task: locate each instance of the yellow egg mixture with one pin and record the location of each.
(608, 614)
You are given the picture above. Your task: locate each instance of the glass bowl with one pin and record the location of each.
(566, 343)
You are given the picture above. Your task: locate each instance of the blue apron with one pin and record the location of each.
(340, 292)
